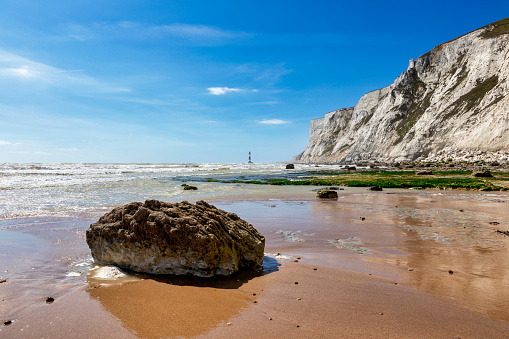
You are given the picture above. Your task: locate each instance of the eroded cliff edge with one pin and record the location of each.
(451, 102)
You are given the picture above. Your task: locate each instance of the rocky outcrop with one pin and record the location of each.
(451, 101)
(181, 238)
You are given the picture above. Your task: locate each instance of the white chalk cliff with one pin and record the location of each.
(452, 100)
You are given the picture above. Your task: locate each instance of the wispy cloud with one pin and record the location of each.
(17, 67)
(4, 142)
(274, 122)
(70, 149)
(223, 90)
(178, 32)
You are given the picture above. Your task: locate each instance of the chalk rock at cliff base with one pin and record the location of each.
(483, 174)
(327, 194)
(180, 238)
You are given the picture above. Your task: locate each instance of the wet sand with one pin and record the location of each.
(327, 273)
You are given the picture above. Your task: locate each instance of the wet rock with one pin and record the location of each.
(450, 272)
(49, 300)
(180, 238)
(7, 323)
(326, 194)
(2, 281)
(503, 232)
(375, 188)
(290, 166)
(494, 223)
(189, 187)
(483, 174)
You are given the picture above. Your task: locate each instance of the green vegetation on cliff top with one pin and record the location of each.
(497, 28)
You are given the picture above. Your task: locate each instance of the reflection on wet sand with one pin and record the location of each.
(454, 249)
(177, 306)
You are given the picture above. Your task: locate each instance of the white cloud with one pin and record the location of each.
(4, 142)
(274, 122)
(223, 90)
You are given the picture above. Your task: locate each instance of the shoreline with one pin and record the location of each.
(343, 296)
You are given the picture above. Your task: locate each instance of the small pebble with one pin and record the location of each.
(7, 323)
(462, 211)
(299, 258)
(255, 302)
(295, 261)
(395, 283)
(254, 293)
(314, 269)
(298, 299)
(381, 313)
(410, 269)
(3, 280)
(451, 272)
(362, 218)
(49, 300)
(296, 283)
(298, 325)
(270, 318)
(229, 324)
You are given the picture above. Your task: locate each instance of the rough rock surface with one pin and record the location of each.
(181, 238)
(451, 103)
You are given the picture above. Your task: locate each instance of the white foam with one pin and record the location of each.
(108, 273)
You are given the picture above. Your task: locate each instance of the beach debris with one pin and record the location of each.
(7, 323)
(290, 166)
(375, 188)
(2, 281)
(494, 223)
(327, 194)
(503, 232)
(352, 244)
(49, 300)
(189, 187)
(181, 239)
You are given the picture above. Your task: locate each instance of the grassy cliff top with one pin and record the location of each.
(497, 28)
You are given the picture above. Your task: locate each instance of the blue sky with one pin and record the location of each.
(200, 81)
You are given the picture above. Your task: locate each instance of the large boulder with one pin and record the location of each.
(181, 238)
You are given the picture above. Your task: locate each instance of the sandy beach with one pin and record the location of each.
(395, 263)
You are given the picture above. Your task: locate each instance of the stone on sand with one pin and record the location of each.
(180, 238)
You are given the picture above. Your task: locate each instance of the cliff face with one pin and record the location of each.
(450, 102)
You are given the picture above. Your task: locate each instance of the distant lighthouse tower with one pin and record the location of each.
(249, 162)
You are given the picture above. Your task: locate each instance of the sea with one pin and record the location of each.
(30, 189)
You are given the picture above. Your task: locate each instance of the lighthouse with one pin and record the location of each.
(249, 161)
